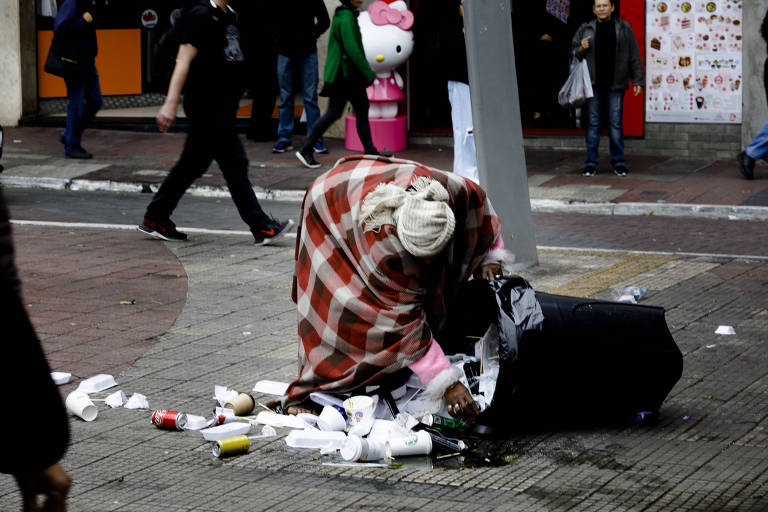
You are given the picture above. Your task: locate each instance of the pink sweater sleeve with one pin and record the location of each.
(499, 243)
(431, 364)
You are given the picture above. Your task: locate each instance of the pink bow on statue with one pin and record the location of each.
(383, 14)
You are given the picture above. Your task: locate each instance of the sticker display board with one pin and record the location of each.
(693, 61)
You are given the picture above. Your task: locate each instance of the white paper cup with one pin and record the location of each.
(359, 409)
(79, 404)
(330, 419)
(357, 449)
(417, 443)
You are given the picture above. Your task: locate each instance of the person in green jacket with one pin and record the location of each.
(347, 74)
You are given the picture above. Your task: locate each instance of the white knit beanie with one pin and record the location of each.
(421, 214)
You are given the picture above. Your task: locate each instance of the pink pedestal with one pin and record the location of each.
(389, 134)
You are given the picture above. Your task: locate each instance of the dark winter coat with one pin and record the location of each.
(628, 63)
(73, 36)
(40, 442)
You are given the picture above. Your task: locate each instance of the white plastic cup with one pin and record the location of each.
(331, 420)
(359, 409)
(79, 404)
(417, 443)
(357, 449)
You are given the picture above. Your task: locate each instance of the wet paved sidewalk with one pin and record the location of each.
(709, 451)
(126, 160)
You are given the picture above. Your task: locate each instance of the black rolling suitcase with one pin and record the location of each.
(591, 362)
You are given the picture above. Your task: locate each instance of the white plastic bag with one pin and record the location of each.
(578, 88)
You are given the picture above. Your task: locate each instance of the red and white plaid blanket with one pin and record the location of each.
(365, 305)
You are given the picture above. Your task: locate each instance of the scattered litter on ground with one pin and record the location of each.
(725, 330)
(60, 378)
(97, 383)
(710, 346)
(686, 418)
(137, 401)
(116, 399)
(128, 302)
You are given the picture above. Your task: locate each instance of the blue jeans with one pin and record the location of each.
(612, 103)
(84, 95)
(758, 147)
(286, 70)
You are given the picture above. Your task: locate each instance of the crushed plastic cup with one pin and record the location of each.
(79, 404)
(359, 409)
(226, 430)
(313, 438)
(195, 422)
(60, 378)
(280, 420)
(97, 383)
(330, 419)
(416, 443)
(356, 449)
(725, 330)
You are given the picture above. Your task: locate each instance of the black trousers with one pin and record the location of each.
(210, 137)
(338, 99)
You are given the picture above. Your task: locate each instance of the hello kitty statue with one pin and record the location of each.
(388, 42)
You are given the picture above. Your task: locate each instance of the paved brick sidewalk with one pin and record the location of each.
(142, 159)
(709, 451)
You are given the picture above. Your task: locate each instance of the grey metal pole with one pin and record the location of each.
(496, 118)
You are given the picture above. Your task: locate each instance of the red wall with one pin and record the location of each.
(633, 11)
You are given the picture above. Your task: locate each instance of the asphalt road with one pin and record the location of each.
(634, 233)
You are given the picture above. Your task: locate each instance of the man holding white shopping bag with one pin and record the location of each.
(610, 49)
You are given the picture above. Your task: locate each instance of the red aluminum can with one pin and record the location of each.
(169, 420)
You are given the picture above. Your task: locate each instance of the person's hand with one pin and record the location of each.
(545, 37)
(87, 17)
(460, 401)
(166, 117)
(637, 90)
(52, 482)
(584, 46)
(491, 271)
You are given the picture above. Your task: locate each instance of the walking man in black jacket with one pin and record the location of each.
(209, 69)
(298, 25)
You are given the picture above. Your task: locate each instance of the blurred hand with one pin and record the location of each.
(460, 402)
(545, 37)
(166, 117)
(491, 271)
(52, 482)
(584, 46)
(87, 17)
(637, 90)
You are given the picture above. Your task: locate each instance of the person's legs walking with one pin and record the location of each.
(593, 133)
(615, 106)
(309, 80)
(756, 149)
(233, 162)
(285, 78)
(195, 159)
(75, 100)
(335, 109)
(93, 97)
(359, 100)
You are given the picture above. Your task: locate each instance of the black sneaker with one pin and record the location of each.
(589, 170)
(746, 165)
(307, 160)
(162, 230)
(621, 171)
(78, 153)
(271, 231)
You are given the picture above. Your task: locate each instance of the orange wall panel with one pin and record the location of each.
(118, 63)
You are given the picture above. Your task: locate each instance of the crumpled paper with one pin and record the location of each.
(223, 394)
(116, 399)
(137, 401)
